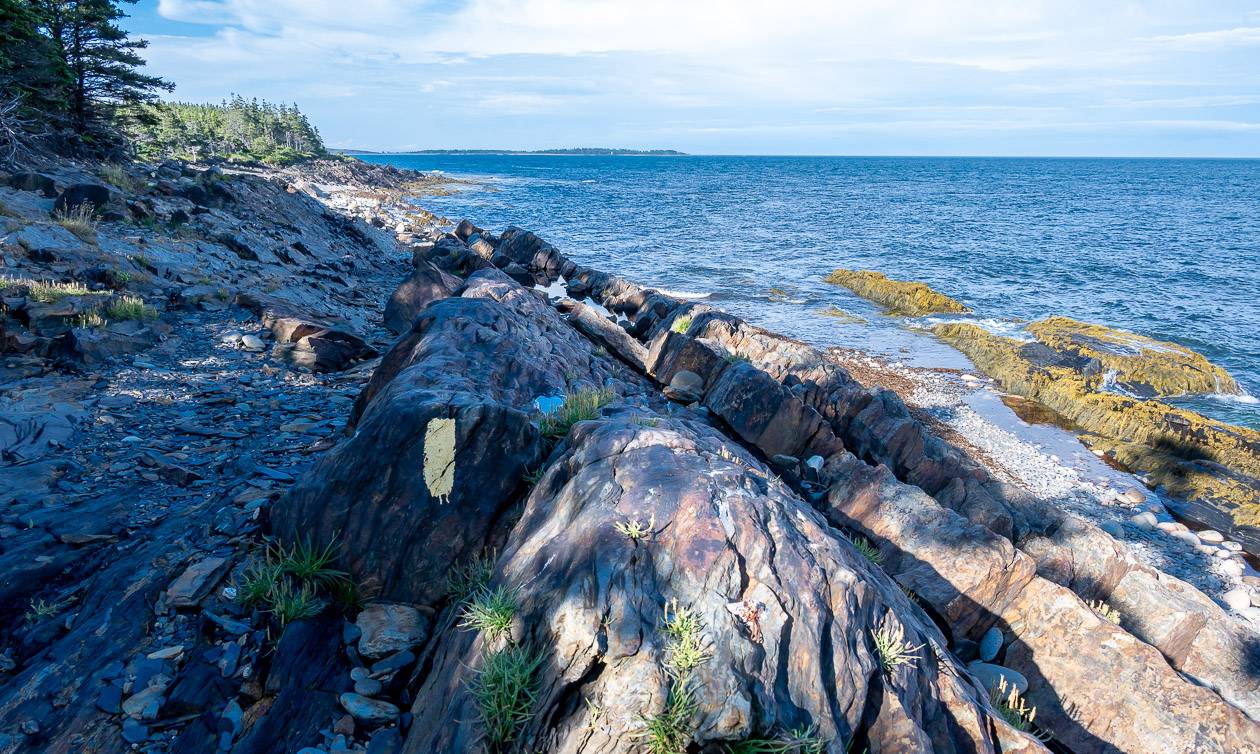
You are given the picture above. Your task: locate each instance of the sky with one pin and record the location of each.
(884, 77)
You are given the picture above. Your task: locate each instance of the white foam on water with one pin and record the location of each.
(688, 295)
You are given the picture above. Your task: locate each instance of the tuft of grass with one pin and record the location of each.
(735, 358)
(681, 324)
(81, 221)
(41, 610)
(892, 647)
(472, 577)
(634, 529)
(490, 611)
(505, 689)
(868, 550)
(802, 740)
(49, 292)
(90, 319)
(534, 477)
(130, 307)
(1015, 710)
(309, 563)
(115, 174)
(686, 640)
(580, 405)
(259, 583)
(670, 731)
(1105, 611)
(290, 603)
(123, 276)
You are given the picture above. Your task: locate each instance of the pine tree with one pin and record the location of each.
(102, 62)
(30, 70)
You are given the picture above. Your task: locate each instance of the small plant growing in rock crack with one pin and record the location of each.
(290, 603)
(505, 689)
(48, 292)
(42, 609)
(1104, 611)
(578, 406)
(490, 611)
(88, 320)
(867, 550)
(1015, 710)
(634, 529)
(81, 221)
(470, 578)
(892, 647)
(802, 740)
(130, 307)
(681, 324)
(669, 731)
(735, 358)
(309, 563)
(258, 583)
(534, 477)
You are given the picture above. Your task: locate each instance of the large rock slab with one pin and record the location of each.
(445, 430)
(305, 339)
(787, 612)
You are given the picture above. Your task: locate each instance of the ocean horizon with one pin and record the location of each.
(1164, 247)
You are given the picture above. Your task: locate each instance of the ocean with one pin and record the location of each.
(1165, 248)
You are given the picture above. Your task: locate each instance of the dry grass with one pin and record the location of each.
(130, 307)
(81, 221)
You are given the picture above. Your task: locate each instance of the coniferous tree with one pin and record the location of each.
(100, 61)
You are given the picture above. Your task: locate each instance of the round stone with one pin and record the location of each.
(1133, 496)
(1237, 598)
(1145, 520)
(1211, 535)
(990, 676)
(990, 644)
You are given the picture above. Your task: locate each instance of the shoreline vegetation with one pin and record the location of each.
(899, 298)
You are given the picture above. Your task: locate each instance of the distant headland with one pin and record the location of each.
(599, 151)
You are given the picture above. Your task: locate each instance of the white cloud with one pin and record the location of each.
(573, 65)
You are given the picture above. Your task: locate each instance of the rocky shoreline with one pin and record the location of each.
(289, 468)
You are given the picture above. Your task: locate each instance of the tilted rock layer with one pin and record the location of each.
(907, 298)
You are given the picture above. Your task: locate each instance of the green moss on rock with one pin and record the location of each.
(1140, 365)
(906, 298)
(1177, 447)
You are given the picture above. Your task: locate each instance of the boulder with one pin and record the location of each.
(305, 339)
(425, 285)
(387, 628)
(36, 182)
(782, 610)
(94, 195)
(445, 430)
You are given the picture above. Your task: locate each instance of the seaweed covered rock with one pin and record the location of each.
(1133, 363)
(906, 298)
(670, 594)
(1182, 450)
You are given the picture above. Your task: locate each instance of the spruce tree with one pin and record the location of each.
(101, 61)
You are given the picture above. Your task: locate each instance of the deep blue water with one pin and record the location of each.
(1166, 248)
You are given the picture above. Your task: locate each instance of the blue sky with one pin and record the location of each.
(966, 77)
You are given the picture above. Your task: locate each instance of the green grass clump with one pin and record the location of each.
(868, 550)
(505, 690)
(892, 647)
(290, 603)
(669, 731)
(1105, 611)
(130, 307)
(471, 578)
(490, 611)
(681, 324)
(579, 406)
(803, 740)
(81, 221)
(1015, 710)
(309, 563)
(295, 583)
(47, 292)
